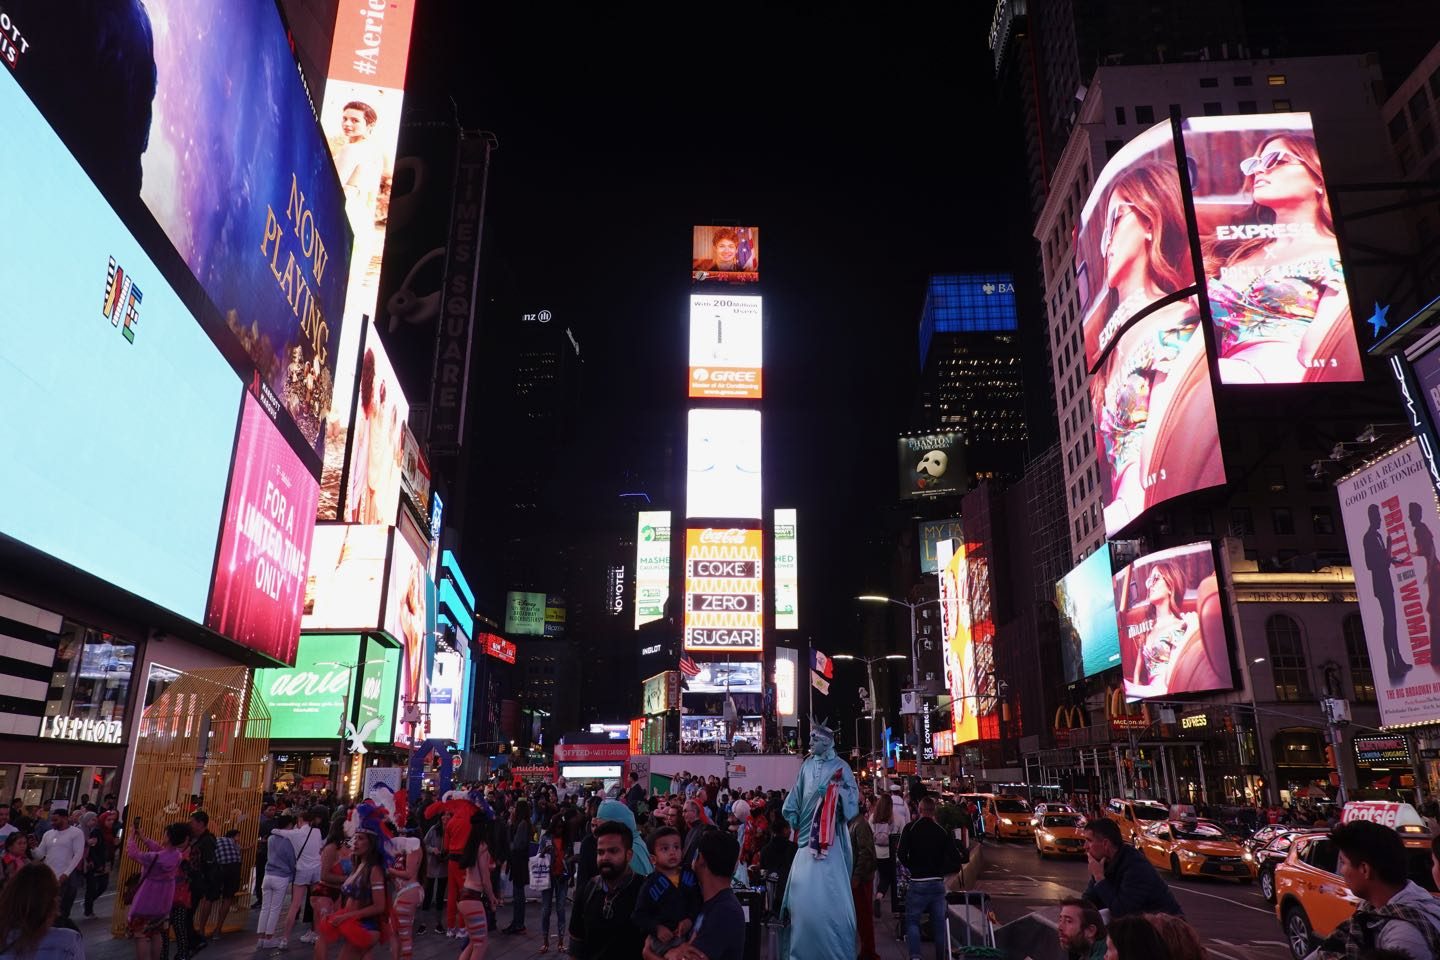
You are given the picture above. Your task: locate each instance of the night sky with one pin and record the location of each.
(869, 154)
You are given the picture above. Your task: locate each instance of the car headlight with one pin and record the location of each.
(1248, 857)
(1047, 837)
(1192, 855)
(1007, 821)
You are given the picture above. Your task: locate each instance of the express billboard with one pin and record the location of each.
(347, 577)
(1273, 273)
(725, 254)
(377, 440)
(223, 155)
(726, 348)
(723, 465)
(1089, 637)
(525, 613)
(1172, 623)
(724, 590)
(931, 465)
(652, 565)
(787, 571)
(103, 371)
(1391, 521)
(259, 588)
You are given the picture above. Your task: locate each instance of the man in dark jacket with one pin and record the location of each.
(636, 794)
(928, 851)
(1121, 879)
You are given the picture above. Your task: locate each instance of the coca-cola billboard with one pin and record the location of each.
(724, 590)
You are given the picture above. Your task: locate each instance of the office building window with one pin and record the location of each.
(1213, 109)
(1418, 105)
(1209, 81)
(1242, 81)
(1120, 116)
(1287, 658)
(1426, 135)
(1281, 106)
(1112, 147)
(1283, 520)
(1398, 125)
(1276, 79)
(1362, 679)
(1248, 106)
(1275, 478)
(1322, 520)
(1144, 114)
(1242, 522)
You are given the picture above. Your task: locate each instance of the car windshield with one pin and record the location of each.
(1012, 806)
(1144, 812)
(1062, 820)
(1200, 830)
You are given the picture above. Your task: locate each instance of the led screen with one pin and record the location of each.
(104, 374)
(661, 692)
(407, 618)
(787, 673)
(723, 479)
(1171, 623)
(931, 533)
(721, 677)
(377, 441)
(347, 577)
(1155, 430)
(969, 629)
(380, 676)
(260, 573)
(525, 613)
(555, 615)
(724, 590)
(1133, 247)
(1273, 275)
(725, 347)
(1089, 641)
(1391, 522)
(307, 701)
(725, 254)
(414, 473)
(787, 572)
(652, 565)
(447, 693)
(931, 465)
(498, 647)
(224, 153)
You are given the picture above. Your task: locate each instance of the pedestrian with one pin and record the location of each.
(1081, 930)
(929, 852)
(1180, 938)
(518, 862)
(16, 854)
(277, 881)
(227, 868)
(27, 919)
(882, 825)
(155, 890)
(306, 839)
(205, 885)
(262, 853)
(363, 906)
(456, 834)
(405, 892)
(1134, 937)
(1121, 879)
(62, 849)
(552, 848)
(719, 929)
(1395, 913)
(435, 873)
(600, 926)
(476, 898)
(636, 794)
(695, 826)
(862, 882)
(778, 854)
(99, 859)
(325, 893)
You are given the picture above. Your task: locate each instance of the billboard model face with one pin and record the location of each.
(225, 154)
(307, 701)
(347, 577)
(725, 254)
(377, 442)
(725, 347)
(1390, 525)
(1172, 623)
(931, 466)
(723, 479)
(1155, 430)
(407, 619)
(525, 613)
(112, 325)
(652, 566)
(931, 533)
(724, 590)
(264, 558)
(787, 572)
(1090, 641)
(1132, 248)
(1273, 275)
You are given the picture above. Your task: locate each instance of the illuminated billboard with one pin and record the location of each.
(661, 693)
(1089, 641)
(725, 254)
(968, 624)
(264, 558)
(308, 701)
(931, 533)
(787, 679)
(724, 677)
(554, 615)
(931, 465)
(1273, 275)
(787, 571)
(525, 613)
(1155, 431)
(224, 153)
(1391, 519)
(498, 647)
(1171, 622)
(447, 695)
(725, 347)
(409, 619)
(414, 473)
(377, 439)
(104, 374)
(724, 590)
(347, 577)
(652, 565)
(723, 465)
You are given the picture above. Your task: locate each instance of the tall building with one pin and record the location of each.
(970, 362)
(1412, 117)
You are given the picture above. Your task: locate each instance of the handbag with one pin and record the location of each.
(540, 868)
(132, 884)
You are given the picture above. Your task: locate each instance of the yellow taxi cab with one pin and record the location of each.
(1005, 817)
(1310, 898)
(1132, 816)
(1195, 848)
(1060, 833)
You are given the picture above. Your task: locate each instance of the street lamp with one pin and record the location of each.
(870, 678)
(912, 607)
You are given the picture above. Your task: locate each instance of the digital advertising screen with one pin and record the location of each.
(652, 565)
(725, 254)
(661, 693)
(379, 680)
(307, 701)
(969, 628)
(525, 613)
(724, 590)
(259, 590)
(104, 373)
(555, 615)
(377, 439)
(931, 465)
(1273, 274)
(1132, 247)
(723, 677)
(1089, 635)
(725, 347)
(787, 680)
(787, 571)
(1171, 621)
(414, 473)
(407, 619)
(931, 533)
(225, 155)
(498, 647)
(347, 577)
(1391, 521)
(447, 694)
(1155, 430)
(723, 465)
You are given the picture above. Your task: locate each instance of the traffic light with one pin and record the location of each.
(1330, 757)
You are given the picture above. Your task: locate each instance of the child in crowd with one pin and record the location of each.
(670, 900)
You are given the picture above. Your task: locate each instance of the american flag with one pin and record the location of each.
(689, 667)
(747, 248)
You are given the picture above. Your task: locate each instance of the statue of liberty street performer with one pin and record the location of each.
(817, 897)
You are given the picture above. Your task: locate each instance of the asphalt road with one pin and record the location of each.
(1233, 919)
